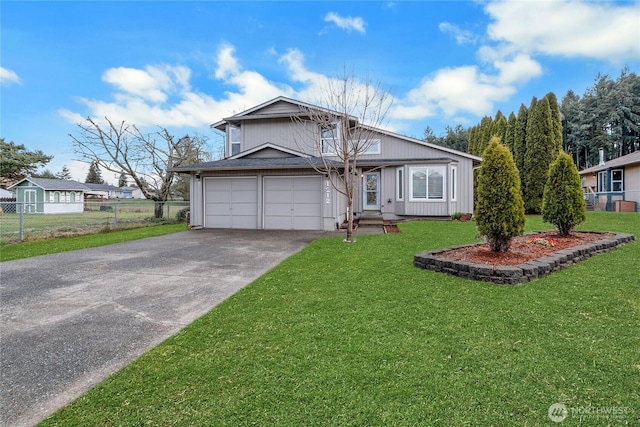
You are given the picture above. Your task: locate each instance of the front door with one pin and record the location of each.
(30, 201)
(371, 190)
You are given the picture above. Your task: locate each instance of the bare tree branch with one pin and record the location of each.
(147, 158)
(339, 130)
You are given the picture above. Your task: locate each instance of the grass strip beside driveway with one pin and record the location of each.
(33, 248)
(355, 335)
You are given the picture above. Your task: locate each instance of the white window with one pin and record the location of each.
(329, 138)
(454, 183)
(72, 197)
(602, 182)
(235, 140)
(400, 184)
(56, 197)
(371, 146)
(427, 183)
(617, 180)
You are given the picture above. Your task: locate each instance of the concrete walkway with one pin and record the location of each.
(70, 320)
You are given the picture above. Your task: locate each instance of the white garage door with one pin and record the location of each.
(231, 202)
(292, 203)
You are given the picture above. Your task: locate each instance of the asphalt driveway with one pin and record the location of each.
(70, 320)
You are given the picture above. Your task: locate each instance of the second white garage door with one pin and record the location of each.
(292, 203)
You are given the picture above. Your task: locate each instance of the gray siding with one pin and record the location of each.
(282, 132)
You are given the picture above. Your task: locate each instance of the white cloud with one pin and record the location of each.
(520, 69)
(154, 83)
(451, 91)
(601, 30)
(8, 77)
(461, 36)
(227, 63)
(142, 96)
(348, 23)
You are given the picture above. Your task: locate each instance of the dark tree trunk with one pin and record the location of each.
(159, 209)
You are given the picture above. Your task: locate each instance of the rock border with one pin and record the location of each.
(521, 273)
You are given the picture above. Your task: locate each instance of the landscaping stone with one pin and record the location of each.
(521, 273)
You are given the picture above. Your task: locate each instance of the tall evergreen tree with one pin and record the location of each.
(16, 162)
(499, 210)
(122, 181)
(456, 138)
(94, 176)
(569, 107)
(471, 147)
(499, 128)
(510, 133)
(485, 134)
(556, 120)
(64, 173)
(541, 151)
(520, 141)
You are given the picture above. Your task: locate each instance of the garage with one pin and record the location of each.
(293, 203)
(231, 202)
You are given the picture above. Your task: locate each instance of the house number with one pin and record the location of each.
(327, 192)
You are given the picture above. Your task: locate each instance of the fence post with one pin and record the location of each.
(20, 208)
(115, 215)
(168, 214)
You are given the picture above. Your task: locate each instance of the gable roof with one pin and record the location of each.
(268, 145)
(626, 160)
(250, 114)
(253, 113)
(54, 184)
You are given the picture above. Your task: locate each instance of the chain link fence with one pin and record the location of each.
(32, 221)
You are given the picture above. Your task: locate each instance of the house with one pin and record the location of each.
(42, 195)
(613, 185)
(267, 178)
(103, 191)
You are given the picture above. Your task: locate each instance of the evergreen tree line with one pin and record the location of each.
(534, 138)
(606, 117)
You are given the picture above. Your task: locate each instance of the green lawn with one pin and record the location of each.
(343, 334)
(115, 214)
(29, 249)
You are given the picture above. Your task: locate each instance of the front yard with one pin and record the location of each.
(356, 335)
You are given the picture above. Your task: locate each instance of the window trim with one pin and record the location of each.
(370, 143)
(231, 142)
(400, 184)
(334, 127)
(602, 182)
(454, 184)
(426, 170)
(615, 181)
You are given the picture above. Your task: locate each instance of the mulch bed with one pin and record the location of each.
(522, 250)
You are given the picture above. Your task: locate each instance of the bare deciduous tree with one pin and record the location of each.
(147, 158)
(338, 129)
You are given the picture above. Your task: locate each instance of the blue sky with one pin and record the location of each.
(185, 65)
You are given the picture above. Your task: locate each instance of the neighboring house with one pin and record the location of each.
(127, 192)
(41, 195)
(103, 191)
(613, 185)
(266, 181)
(132, 192)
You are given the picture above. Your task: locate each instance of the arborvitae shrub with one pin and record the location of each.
(563, 204)
(500, 209)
